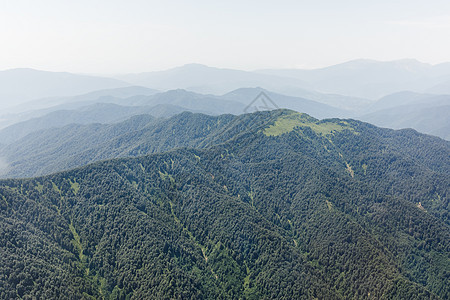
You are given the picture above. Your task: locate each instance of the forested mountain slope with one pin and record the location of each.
(75, 145)
(105, 113)
(110, 109)
(281, 205)
(96, 113)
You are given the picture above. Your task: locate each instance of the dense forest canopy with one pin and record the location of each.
(265, 205)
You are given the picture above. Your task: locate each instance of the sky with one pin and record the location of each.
(131, 36)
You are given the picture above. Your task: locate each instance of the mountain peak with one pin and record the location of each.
(195, 65)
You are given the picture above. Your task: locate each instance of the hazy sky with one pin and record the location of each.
(112, 36)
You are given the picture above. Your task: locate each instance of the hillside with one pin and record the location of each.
(21, 85)
(50, 104)
(281, 205)
(209, 80)
(75, 145)
(431, 120)
(408, 98)
(43, 106)
(423, 112)
(372, 79)
(314, 108)
(97, 113)
(441, 88)
(86, 109)
(210, 104)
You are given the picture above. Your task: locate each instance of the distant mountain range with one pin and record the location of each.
(84, 110)
(347, 85)
(385, 93)
(423, 112)
(373, 79)
(21, 85)
(114, 95)
(360, 79)
(96, 113)
(209, 80)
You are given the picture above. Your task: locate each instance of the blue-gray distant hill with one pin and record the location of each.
(209, 80)
(311, 107)
(372, 79)
(441, 88)
(95, 113)
(21, 85)
(108, 110)
(49, 104)
(423, 112)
